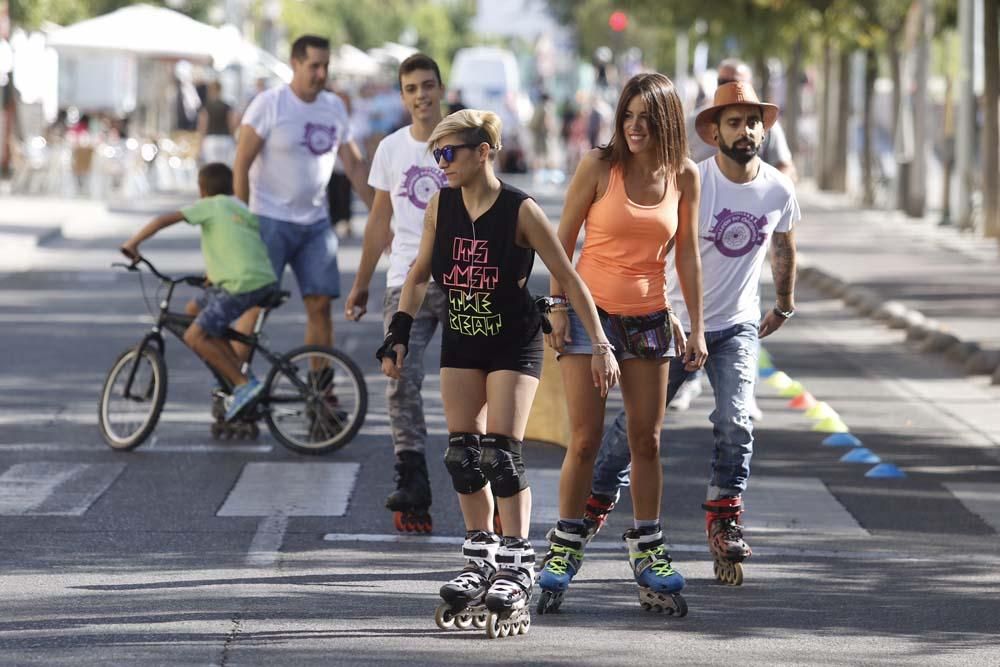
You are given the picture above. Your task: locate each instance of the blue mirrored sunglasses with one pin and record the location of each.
(448, 152)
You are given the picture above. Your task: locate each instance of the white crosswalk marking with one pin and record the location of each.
(796, 504)
(47, 488)
(292, 489)
(980, 498)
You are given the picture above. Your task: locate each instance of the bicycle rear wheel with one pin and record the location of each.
(315, 399)
(130, 404)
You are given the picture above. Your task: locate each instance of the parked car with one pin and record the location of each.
(488, 78)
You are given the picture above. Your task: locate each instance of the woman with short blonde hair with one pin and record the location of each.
(479, 242)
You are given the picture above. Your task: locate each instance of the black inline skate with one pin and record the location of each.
(463, 605)
(244, 427)
(411, 500)
(510, 589)
(725, 539)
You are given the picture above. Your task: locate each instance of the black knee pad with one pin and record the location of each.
(502, 464)
(462, 460)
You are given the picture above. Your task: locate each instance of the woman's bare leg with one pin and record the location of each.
(463, 392)
(644, 390)
(586, 417)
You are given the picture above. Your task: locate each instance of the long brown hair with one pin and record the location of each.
(666, 121)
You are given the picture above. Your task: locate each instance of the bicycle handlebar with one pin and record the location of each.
(195, 281)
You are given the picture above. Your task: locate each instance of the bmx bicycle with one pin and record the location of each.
(314, 399)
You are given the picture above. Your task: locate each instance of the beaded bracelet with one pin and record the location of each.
(559, 300)
(600, 349)
(558, 308)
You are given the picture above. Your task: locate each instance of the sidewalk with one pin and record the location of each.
(938, 285)
(28, 222)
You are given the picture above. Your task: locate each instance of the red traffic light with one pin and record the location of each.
(618, 21)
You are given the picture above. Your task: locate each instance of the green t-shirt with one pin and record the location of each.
(235, 256)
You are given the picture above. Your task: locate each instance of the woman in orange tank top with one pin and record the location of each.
(637, 196)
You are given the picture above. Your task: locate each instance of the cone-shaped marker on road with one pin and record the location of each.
(821, 410)
(841, 440)
(766, 372)
(885, 471)
(831, 425)
(803, 401)
(792, 390)
(860, 455)
(779, 380)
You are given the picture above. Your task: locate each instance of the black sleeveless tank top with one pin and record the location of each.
(478, 265)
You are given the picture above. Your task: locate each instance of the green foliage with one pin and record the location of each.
(441, 26)
(32, 13)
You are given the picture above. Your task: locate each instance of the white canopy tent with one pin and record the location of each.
(156, 32)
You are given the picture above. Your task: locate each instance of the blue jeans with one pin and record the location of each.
(732, 370)
(311, 250)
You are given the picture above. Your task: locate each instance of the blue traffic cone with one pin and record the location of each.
(860, 455)
(885, 471)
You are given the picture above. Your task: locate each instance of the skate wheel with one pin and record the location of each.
(505, 628)
(443, 617)
(645, 606)
(493, 626)
(680, 605)
(397, 520)
(548, 602)
(463, 621)
(736, 578)
(479, 621)
(525, 624)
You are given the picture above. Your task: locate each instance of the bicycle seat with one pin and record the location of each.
(275, 299)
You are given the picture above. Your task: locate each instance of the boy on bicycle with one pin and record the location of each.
(239, 272)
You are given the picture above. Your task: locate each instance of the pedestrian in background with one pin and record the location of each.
(288, 142)
(637, 195)
(217, 123)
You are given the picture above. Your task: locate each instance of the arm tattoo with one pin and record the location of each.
(783, 267)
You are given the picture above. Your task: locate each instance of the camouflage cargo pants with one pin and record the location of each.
(406, 407)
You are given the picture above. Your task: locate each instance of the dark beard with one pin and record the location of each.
(739, 155)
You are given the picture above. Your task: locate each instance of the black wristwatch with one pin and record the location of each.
(783, 314)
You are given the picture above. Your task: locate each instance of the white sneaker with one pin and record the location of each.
(687, 393)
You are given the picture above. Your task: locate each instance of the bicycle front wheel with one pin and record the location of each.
(132, 398)
(315, 399)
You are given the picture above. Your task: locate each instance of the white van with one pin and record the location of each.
(488, 78)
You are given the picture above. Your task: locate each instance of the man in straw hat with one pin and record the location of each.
(745, 203)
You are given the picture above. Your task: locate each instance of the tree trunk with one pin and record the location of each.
(825, 112)
(991, 131)
(763, 77)
(867, 151)
(896, 71)
(793, 98)
(838, 177)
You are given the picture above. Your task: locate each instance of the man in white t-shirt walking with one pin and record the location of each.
(289, 139)
(405, 177)
(745, 203)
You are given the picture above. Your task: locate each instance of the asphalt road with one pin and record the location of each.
(190, 551)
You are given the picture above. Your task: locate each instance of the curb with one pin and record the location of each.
(925, 334)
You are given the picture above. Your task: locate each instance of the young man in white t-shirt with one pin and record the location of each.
(289, 139)
(405, 177)
(745, 203)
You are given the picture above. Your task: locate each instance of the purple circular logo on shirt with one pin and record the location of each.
(420, 184)
(736, 233)
(319, 139)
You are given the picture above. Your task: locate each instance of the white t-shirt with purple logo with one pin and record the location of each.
(735, 223)
(404, 168)
(289, 176)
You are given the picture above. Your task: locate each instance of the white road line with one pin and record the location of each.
(46, 488)
(796, 504)
(980, 498)
(266, 545)
(292, 489)
(760, 551)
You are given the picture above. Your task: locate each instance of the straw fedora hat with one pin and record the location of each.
(728, 94)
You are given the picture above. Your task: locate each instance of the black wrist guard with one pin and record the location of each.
(398, 334)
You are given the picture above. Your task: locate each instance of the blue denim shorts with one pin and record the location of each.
(217, 308)
(311, 250)
(580, 341)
